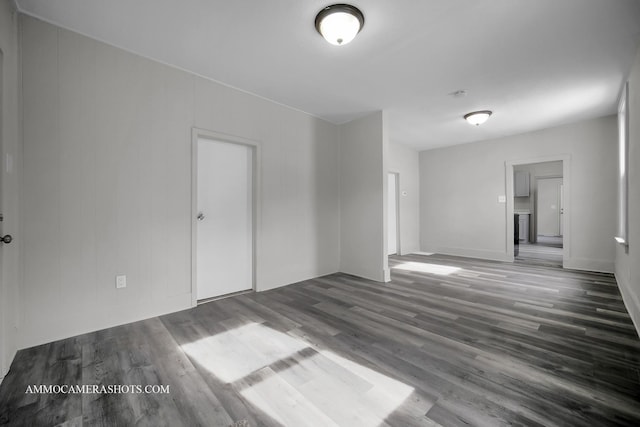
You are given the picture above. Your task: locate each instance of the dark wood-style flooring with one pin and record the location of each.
(449, 341)
(547, 251)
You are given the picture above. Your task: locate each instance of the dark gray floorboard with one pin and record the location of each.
(486, 344)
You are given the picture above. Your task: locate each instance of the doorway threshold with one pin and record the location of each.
(233, 294)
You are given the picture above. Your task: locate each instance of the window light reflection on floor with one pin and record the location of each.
(423, 267)
(316, 388)
(328, 390)
(236, 353)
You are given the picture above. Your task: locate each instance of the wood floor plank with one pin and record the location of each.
(449, 341)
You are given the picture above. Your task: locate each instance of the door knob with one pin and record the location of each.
(6, 239)
(200, 216)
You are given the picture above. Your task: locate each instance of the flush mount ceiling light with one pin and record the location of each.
(477, 117)
(339, 23)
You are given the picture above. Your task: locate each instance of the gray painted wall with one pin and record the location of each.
(363, 198)
(10, 152)
(460, 185)
(628, 262)
(406, 162)
(107, 184)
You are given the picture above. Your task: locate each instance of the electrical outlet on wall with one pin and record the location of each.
(121, 281)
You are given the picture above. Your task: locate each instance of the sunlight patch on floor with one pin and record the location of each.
(311, 388)
(423, 267)
(236, 353)
(328, 390)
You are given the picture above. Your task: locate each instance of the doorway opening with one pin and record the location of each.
(223, 217)
(393, 226)
(538, 207)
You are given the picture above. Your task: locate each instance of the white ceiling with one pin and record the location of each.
(535, 63)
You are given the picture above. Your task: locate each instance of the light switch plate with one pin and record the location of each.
(502, 199)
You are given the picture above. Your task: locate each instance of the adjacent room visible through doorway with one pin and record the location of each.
(393, 228)
(538, 213)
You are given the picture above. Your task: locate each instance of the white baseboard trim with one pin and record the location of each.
(263, 286)
(376, 277)
(631, 301)
(74, 324)
(584, 264)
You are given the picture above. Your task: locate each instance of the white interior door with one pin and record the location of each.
(392, 215)
(548, 206)
(224, 242)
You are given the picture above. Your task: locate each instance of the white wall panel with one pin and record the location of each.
(10, 170)
(363, 198)
(628, 259)
(460, 185)
(107, 146)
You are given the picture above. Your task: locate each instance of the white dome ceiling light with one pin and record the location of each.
(477, 117)
(339, 23)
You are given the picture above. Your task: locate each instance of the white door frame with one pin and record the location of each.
(566, 178)
(196, 134)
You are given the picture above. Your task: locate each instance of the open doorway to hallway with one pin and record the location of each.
(538, 213)
(393, 226)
